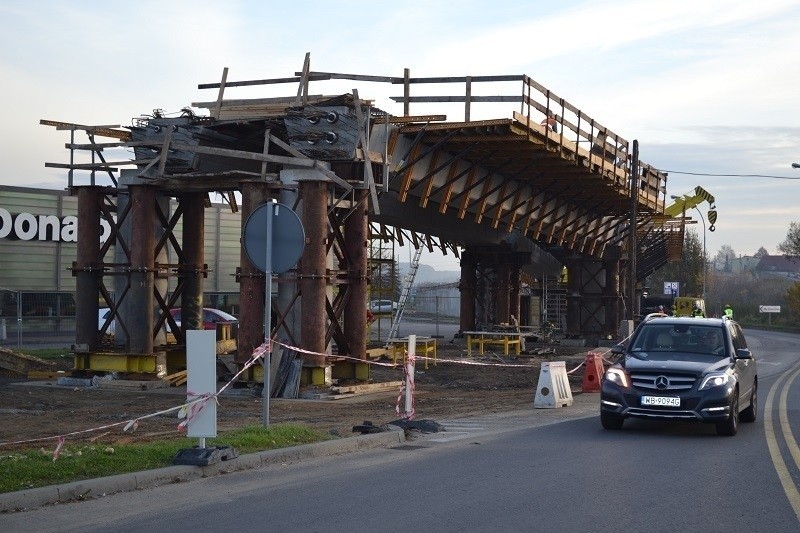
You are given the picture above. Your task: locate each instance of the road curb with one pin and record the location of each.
(98, 487)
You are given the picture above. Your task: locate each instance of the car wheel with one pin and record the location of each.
(610, 421)
(749, 414)
(729, 427)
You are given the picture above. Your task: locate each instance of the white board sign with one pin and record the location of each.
(671, 287)
(769, 308)
(201, 374)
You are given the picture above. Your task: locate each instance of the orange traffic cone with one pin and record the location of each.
(592, 373)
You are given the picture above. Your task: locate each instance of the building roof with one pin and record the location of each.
(779, 263)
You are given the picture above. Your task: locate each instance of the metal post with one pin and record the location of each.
(271, 211)
(437, 317)
(632, 237)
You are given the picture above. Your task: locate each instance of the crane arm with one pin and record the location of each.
(688, 201)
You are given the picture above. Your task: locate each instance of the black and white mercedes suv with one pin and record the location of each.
(682, 369)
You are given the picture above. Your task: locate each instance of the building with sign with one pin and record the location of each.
(38, 246)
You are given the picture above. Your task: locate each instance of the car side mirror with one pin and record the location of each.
(618, 349)
(743, 353)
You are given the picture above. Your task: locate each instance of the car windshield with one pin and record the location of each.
(683, 338)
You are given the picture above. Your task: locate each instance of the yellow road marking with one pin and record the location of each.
(785, 477)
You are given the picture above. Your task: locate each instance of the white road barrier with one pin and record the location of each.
(553, 388)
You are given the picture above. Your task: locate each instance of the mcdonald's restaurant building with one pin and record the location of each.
(38, 245)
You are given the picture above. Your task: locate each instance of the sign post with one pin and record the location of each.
(672, 288)
(273, 239)
(769, 309)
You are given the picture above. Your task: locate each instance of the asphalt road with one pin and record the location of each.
(509, 473)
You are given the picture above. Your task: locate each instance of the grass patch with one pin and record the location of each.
(48, 354)
(28, 469)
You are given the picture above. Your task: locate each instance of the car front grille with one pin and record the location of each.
(656, 381)
(639, 412)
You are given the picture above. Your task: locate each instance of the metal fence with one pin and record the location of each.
(36, 317)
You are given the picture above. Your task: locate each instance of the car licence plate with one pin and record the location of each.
(669, 401)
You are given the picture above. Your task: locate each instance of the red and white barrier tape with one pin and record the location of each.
(190, 409)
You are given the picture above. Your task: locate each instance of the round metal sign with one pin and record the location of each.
(288, 238)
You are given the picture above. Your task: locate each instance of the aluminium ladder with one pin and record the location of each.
(401, 305)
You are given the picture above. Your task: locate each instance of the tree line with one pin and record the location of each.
(743, 288)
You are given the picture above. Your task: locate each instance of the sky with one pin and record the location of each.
(708, 88)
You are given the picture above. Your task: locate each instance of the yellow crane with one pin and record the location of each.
(691, 200)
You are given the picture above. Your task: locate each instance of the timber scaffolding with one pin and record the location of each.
(526, 194)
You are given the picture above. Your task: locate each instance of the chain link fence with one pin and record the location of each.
(35, 317)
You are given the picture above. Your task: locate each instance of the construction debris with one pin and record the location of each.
(20, 363)
(177, 379)
(350, 391)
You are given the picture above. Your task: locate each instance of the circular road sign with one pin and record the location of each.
(288, 238)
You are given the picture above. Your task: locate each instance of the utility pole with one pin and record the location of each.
(632, 237)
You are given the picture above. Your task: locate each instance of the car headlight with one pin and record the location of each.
(718, 379)
(618, 376)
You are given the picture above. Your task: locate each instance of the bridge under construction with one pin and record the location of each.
(516, 199)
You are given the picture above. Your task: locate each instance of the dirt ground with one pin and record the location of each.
(43, 410)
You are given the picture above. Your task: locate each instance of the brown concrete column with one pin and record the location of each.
(356, 241)
(313, 271)
(466, 287)
(574, 268)
(502, 302)
(89, 267)
(140, 297)
(251, 282)
(193, 270)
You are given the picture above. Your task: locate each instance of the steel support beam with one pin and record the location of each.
(193, 271)
(140, 298)
(313, 271)
(88, 267)
(251, 281)
(356, 241)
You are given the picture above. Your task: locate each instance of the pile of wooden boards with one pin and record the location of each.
(285, 372)
(20, 363)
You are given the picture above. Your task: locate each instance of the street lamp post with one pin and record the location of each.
(705, 261)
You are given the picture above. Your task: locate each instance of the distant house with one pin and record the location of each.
(783, 266)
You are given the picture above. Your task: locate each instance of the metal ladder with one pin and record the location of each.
(401, 305)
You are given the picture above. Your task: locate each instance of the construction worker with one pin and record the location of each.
(697, 312)
(728, 311)
(550, 123)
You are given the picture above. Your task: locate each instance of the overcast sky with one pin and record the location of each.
(707, 87)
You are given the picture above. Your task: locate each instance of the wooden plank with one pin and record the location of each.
(218, 105)
(46, 374)
(124, 384)
(377, 353)
(455, 99)
(434, 162)
(103, 131)
(366, 387)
